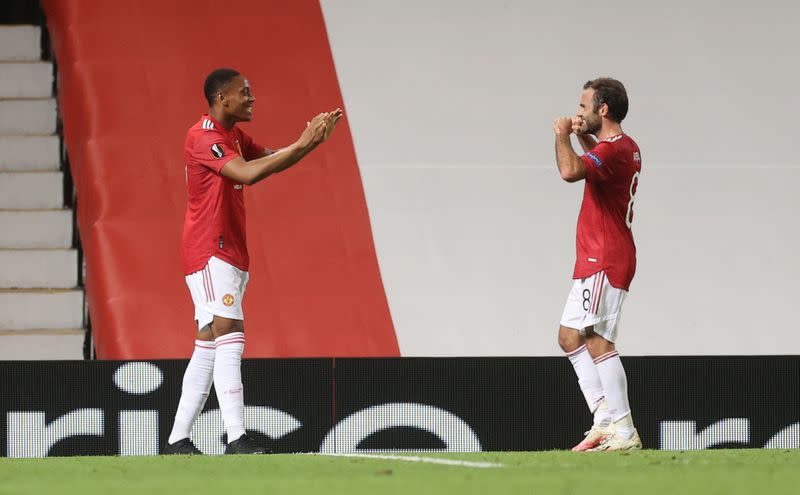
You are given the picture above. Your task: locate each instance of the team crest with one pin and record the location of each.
(227, 300)
(217, 151)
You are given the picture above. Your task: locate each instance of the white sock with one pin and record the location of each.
(615, 385)
(589, 381)
(228, 383)
(601, 415)
(196, 384)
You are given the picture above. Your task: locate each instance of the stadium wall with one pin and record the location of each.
(449, 106)
(430, 404)
(130, 85)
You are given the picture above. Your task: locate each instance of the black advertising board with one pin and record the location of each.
(344, 405)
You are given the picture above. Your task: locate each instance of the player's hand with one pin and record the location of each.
(331, 120)
(578, 125)
(563, 125)
(314, 132)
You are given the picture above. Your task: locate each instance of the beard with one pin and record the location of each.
(593, 124)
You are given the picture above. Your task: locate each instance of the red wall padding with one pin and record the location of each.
(130, 85)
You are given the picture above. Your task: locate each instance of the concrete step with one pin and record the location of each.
(42, 229)
(26, 80)
(41, 309)
(38, 268)
(20, 43)
(28, 116)
(42, 344)
(31, 190)
(27, 153)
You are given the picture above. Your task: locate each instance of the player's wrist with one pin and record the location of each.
(300, 148)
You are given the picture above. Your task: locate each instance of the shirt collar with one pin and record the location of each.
(217, 125)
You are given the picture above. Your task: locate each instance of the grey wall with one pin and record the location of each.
(451, 105)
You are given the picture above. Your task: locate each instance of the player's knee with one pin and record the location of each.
(597, 345)
(205, 334)
(569, 339)
(563, 342)
(223, 326)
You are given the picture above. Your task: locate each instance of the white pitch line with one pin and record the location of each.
(430, 460)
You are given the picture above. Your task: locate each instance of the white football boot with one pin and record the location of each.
(616, 441)
(594, 437)
(601, 429)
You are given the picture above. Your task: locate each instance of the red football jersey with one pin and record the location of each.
(604, 239)
(214, 224)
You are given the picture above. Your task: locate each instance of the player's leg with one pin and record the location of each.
(600, 340)
(229, 340)
(227, 284)
(591, 386)
(611, 374)
(198, 376)
(573, 343)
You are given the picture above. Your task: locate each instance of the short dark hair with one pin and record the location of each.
(612, 93)
(216, 82)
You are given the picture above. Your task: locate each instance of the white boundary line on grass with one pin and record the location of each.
(430, 460)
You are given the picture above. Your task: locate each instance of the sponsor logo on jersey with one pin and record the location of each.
(596, 159)
(227, 300)
(217, 151)
(614, 138)
(636, 157)
(238, 186)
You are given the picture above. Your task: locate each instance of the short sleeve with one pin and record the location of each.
(250, 149)
(211, 150)
(599, 162)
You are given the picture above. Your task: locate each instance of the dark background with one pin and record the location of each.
(509, 403)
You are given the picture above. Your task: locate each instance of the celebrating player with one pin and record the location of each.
(606, 257)
(220, 159)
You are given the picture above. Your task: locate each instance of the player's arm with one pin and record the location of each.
(570, 165)
(249, 173)
(267, 152)
(587, 141)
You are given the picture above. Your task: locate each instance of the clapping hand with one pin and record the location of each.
(563, 125)
(320, 128)
(331, 119)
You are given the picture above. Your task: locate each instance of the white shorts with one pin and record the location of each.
(217, 289)
(594, 302)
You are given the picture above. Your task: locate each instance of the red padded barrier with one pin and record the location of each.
(130, 85)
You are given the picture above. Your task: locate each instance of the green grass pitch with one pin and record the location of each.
(643, 473)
